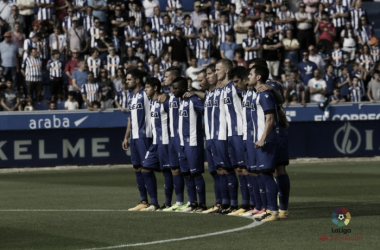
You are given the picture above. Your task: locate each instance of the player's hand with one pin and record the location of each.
(303, 103)
(125, 145)
(123, 110)
(263, 88)
(162, 98)
(373, 101)
(188, 94)
(259, 144)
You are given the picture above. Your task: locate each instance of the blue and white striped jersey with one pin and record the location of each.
(279, 88)
(248, 128)
(88, 22)
(171, 28)
(190, 121)
(113, 63)
(174, 115)
(214, 15)
(337, 57)
(45, 13)
(156, 22)
(138, 17)
(232, 102)
(221, 30)
(139, 109)
(219, 128)
(340, 21)
(93, 32)
(355, 17)
(55, 68)
(264, 103)
(67, 22)
(165, 65)
(260, 27)
(122, 98)
(159, 115)
(355, 94)
(154, 46)
(94, 65)
(375, 53)
(92, 91)
(33, 69)
(250, 43)
(200, 45)
(209, 113)
(189, 30)
(132, 32)
(80, 3)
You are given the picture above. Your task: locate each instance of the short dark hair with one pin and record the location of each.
(259, 61)
(71, 93)
(90, 73)
(175, 71)
(137, 74)
(181, 81)
(154, 82)
(211, 67)
(261, 71)
(237, 71)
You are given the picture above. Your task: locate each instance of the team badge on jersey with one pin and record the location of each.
(185, 104)
(139, 96)
(217, 92)
(173, 105)
(157, 105)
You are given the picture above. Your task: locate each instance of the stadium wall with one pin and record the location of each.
(40, 139)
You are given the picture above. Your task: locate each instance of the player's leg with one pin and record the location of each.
(266, 162)
(195, 156)
(136, 161)
(189, 181)
(151, 164)
(163, 157)
(282, 178)
(215, 177)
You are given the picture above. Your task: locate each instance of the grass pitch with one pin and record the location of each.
(82, 209)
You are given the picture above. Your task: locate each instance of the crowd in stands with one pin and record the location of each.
(79, 51)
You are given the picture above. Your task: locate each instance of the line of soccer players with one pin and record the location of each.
(246, 140)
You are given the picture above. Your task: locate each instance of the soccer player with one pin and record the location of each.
(227, 118)
(139, 126)
(174, 143)
(157, 157)
(191, 139)
(266, 140)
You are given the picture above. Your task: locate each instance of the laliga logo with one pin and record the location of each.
(346, 145)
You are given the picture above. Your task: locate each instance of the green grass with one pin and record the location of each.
(316, 190)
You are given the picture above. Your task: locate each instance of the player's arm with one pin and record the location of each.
(277, 96)
(200, 94)
(127, 135)
(269, 121)
(282, 118)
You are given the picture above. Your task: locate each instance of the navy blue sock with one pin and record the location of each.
(233, 188)
(218, 195)
(244, 190)
(179, 185)
(262, 191)
(190, 187)
(250, 191)
(151, 186)
(201, 189)
(283, 184)
(168, 177)
(271, 190)
(256, 192)
(223, 181)
(141, 186)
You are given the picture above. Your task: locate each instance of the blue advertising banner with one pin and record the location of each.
(342, 112)
(63, 147)
(334, 139)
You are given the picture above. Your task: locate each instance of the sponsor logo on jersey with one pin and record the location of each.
(183, 113)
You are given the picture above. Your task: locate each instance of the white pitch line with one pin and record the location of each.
(252, 225)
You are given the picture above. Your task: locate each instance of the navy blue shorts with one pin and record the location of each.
(282, 151)
(220, 154)
(157, 158)
(174, 150)
(250, 155)
(191, 159)
(209, 153)
(139, 147)
(266, 157)
(236, 150)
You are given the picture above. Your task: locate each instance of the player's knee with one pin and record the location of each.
(137, 168)
(239, 171)
(186, 175)
(196, 175)
(165, 170)
(174, 168)
(280, 170)
(145, 170)
(230, 170)
(212, 173)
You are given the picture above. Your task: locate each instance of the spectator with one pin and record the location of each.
(55, 67)
(31, 43)
(364, 31)
(239, 58)
(306, 68)
(10, 100)
(156, 20)
(197, 15)
(294, 86)
(117, 80)
(262, 25)
(9, 57)
(172, 6)
(26, 11)
(339, 13)
(149, 6)
(132, 34)
(119, 20)
(241, 28)
(336, 97)
(373, 91)
(205, 6)
(252, 11)
(29, 105)
(204, 59)
(337, 58)
(215, 14)
(178, 17)
(221, 30)
(79, 78)
(251, 45)
(355, 92)
(23, 98)
(228, 47)
(317, 88)
(45, 9)
(113, 62)
(166, 31)
(77, 37)
(316, 58)
(358, 72)
(232, 16)
(67, 22)
(91, 91)
(375, 50)
(154, 45)
(52, 105)
(291, 47)
(165, 62)
(116, 40)
(304, 27)
(344, 83)
(32, 71)
(61, 9)
(271, 48)
(311, 6)
(176, 48)
(71, 103)
(366, 60)
(79, 6)
(130, 60)
(348, 38)
(192, 72)
(102, 44)
(57, 41)
(100, 9)
(326, 32)
(121, 98)
(330, 79)
(5, 7)
(137, 14)
(356, 13)
(95, 106)
(108, 91)
(71, 66)
(88, 19)
(286, 69)
(286, 16)
(15, 17)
